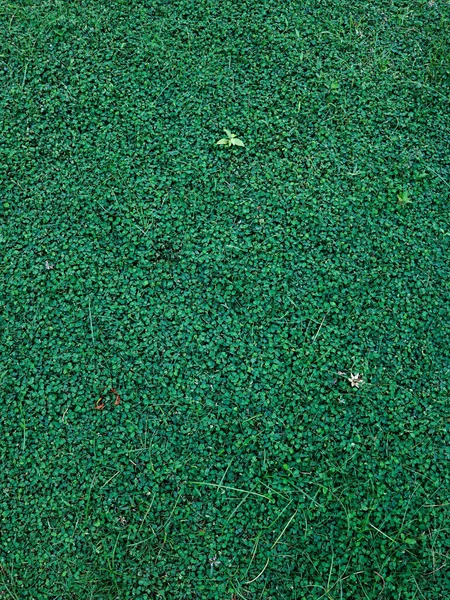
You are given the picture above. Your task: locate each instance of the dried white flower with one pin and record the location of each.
(355, 380)
(214, 562)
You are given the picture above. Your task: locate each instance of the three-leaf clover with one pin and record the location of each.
(230, 140)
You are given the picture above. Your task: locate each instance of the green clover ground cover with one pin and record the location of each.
(227, 293)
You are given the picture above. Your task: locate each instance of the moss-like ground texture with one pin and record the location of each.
(226, 295)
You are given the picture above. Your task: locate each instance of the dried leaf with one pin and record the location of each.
(99, 405)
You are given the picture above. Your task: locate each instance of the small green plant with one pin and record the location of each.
(403, 197)
(230, 140)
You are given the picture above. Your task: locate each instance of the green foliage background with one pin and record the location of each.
(220, 291)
